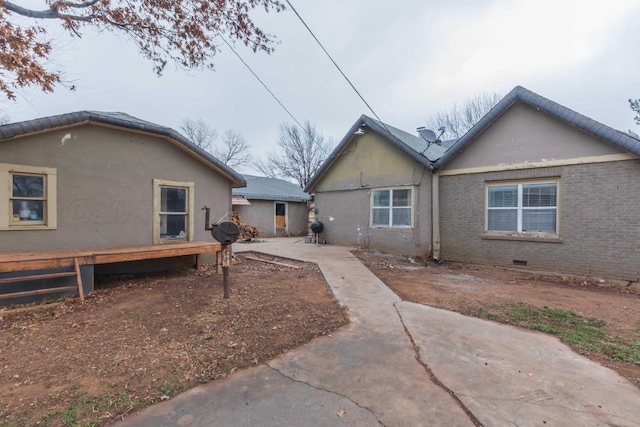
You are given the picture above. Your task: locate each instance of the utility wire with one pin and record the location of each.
(261, 82)
(336, 65)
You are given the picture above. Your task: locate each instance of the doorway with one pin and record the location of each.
(281, 219)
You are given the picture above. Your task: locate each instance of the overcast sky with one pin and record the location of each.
(408, 59)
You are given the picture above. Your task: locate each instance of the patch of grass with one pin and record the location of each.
(22, 422)
(583, 334)
(520, 313)
(168, 388)
(492, 316)
(542, 327)
(69, 418)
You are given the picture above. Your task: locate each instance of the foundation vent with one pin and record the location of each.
(520, 263)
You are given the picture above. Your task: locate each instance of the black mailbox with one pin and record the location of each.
(225, 232)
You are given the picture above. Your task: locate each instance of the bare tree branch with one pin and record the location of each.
(234, 151)
(199, 133)
(51, 13)
(302, 153)
(458, 120)
(634, 104)
(185, 32)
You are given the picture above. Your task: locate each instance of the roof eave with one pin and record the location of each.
(519, 94)
(350, 136)
(382, 131)
(346, 140)
(79, 118)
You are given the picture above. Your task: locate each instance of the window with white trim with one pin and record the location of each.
(391, 207)
(27, 197)
(173, 211)
(523, 207)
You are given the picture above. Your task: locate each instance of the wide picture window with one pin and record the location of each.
(391, 208)
(523, 207)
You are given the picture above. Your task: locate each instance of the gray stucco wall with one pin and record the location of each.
(524, 134)
(105, 187)
(298, 219)
(343, 197)
(261, 214)
(599, 221)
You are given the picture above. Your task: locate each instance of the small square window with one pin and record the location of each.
(391, 208)
(28, 198)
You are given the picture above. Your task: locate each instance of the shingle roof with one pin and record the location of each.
(519, 94)
(418, 145)
(414, 146)
(263, 188)
(15, 130)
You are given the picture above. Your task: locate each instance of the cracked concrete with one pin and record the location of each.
(328, 391)
(505, 375)
(400, 363)
(432, 376)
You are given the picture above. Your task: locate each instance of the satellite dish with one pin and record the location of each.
(428, 135)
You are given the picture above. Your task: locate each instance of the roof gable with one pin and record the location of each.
(263, 188)
(414, 146)
(119, 120)
(436, 156)
(519, 94)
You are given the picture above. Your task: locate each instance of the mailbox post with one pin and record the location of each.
(225, 232)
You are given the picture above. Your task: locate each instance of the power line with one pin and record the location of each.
(261, 82)
(336, 65)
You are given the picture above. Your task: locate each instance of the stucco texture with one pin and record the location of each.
(105, 186)
(342, 197)
(261, 214)
(523, 134)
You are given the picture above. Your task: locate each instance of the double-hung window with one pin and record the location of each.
(173, 210)
(523, 207)
(391, 207)
(27, 197)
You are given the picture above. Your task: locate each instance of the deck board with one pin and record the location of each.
(24, 261)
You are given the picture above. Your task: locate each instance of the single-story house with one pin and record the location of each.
(532, 184)
(274, 206)
(90, 190)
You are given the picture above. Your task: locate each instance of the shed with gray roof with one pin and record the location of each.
(276, 207)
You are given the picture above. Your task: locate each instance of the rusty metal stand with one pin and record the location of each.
(226, 261)
(225, 232)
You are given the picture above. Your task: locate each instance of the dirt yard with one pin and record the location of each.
(140, 340)
(474, 290)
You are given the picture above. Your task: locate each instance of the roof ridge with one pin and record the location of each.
(520, 94)
(26, 127)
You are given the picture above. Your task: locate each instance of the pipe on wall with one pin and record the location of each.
(435, 215)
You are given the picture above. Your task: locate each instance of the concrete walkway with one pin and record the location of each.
(404, 364)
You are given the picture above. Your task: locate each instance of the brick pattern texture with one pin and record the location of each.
(599, 221)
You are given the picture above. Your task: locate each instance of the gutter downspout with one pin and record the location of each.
(435, 215)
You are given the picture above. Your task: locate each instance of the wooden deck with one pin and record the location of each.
(25, 261)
